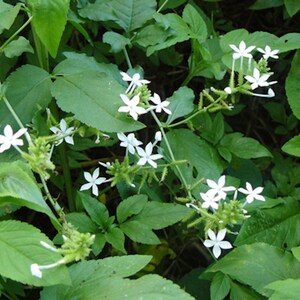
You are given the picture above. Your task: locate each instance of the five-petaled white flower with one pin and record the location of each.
(219, 188)
(129, 142)
(268, 52)
(160, 106)
(146, 156)
(93, 181)
(210, 199)
(135, 81)
(10, 139)
(217, 242)
(252, 194)
(258, 80)
(242, 50)
(63, 133)
(132, 106)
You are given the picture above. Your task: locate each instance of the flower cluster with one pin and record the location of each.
(219, 211)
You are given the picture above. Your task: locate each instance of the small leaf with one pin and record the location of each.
(20, 247)
(16, 47)
(292, 146)
(292, 7)
(49, 21)
(116, 41)
(239, 292)
(8, 13)
(296, 252)
(81, 221)
(220, 286)
(116, 238)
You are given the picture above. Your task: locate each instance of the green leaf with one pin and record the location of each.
(116, 238)
(27, 89)
(296, 252)
(288, 289)
(116, 41)
(292, 85)
(97, 210)
(239, 292)
(181, 103)
(82, 82)
(220, 286)
(49, 21)
(258, 265)
(19, 187)
(264, 4)
(292, 146)
(158, 215)
(292, 7)
(20, 247)
(16, 47)
(139, 232)
(198, 27)
(244, 147)
(8, 13)
(278, 226)
(130, 206)
(81, 221)
(203, 160)
(102, 279)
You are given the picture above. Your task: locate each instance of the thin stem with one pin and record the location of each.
(127, 58)
(162, 6)
(15, 34)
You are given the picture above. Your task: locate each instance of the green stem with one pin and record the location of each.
(162, 6)
(42, 52)
(15, 34)
(8, 293)
(127, 58)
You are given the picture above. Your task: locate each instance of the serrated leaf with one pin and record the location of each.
(258, 265)
(288, 289)
(244, 147)
(181, 103)
(220, 286)
(27, 89)
(130, 206)
(16, 47)
(105, 275)
(20, 247)
(8, 13)
(292, 85)
(49, 21)
(18, 187)
(99, 92)
(139, 232)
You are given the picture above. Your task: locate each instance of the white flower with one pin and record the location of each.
(241, 51)
(10, 139)
(63, 133)
(219, 188)
(158, 136)
(259, 80)
(129, 142)
(228, 90)
(217, 242)
(252, 194)
(210, 199)
(93, 180)
(268, 52)
(135, 81)
(36, 269)
(107, 165)
(132, 107)
(146, 156)
(160, 105)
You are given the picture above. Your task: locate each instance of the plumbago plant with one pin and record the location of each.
(140, 151)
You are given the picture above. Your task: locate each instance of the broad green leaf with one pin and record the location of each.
(258, 265)
(203, 160)
(139, 232)
(220, 286)
(20, 247)
(81, 221)
(97, 210)
(292, 85)
(27, 89)
(8, 13)
(19, 187)
(130, 206)
(292, 7)
(288, 289)
(116, 41)
(238, 292)
(192, 17)
(102, 279)
(278, 226)
(49, 21)
(116, 238)
(100, 10)
(292, 146)
(181, 103)
(17, 47)
(158, 215)
(244, 147)
(97, 91)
